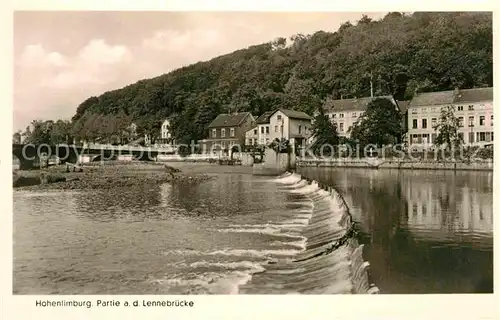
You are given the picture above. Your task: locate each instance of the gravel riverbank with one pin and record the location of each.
(104, 176)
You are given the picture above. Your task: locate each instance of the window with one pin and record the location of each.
(414, 123)
(341, 127)
(433, 137)
(223, 144)
(433, 109)
(279, 117)
(471, 121)
(491, 121)
(341, 115)
(275, 128)
(471, 137)
(488, 137)
(414, 111)
(460, 108)
(222, 133)
(460, 121)
(214, 133)
(425, 138)
(300, 129)
(261, 129)
(255, 131)
(471, 107)
(267, 129)
(481, 136)
(334, 115)
(354, 115)
(424, 123)
(231, 132)
(481, 120)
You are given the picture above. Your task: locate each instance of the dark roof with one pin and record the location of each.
(264, 118)
(352, 104)
(403, 106)
(474, 95)
(229, 120)
(294, 114)
(424, 99)
(456, 96)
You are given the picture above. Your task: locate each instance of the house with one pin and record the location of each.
(166, 135)
(345, 112)
(473, 108)
(294, 126)
(252, 136)
(263, 130)
(226, 131)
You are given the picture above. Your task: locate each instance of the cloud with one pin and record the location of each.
(57, 67)
(99, 52)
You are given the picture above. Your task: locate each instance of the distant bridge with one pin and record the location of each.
(28, 154)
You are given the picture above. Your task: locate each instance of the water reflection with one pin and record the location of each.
(426, 231)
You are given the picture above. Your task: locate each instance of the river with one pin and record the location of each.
(424, 231)
(219, 236)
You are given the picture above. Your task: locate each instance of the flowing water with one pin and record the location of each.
(424, 231)
(255, 235)
(235, 234)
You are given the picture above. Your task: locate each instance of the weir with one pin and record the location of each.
(331, 261)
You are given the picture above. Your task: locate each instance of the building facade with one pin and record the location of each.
(473, 108)
(263, 129)
(294, 126)
(227, 131)
(166, 135)
(345, 112)
(252, 136)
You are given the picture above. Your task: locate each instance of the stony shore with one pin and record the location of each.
(109, 175)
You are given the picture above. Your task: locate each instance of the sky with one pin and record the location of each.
(62, 58)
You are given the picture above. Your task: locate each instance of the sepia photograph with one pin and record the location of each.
(252, 153)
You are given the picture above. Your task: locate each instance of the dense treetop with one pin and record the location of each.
(401, 53)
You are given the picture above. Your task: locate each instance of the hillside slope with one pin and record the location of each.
(400, 53)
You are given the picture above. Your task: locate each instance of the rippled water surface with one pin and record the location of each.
(424, 231)
(235, 234)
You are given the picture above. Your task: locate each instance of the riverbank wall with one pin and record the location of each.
(485, 165)
(274, 163)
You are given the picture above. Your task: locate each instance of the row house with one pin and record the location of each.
(226, 131)
(473, 108)
(294, 126)
(345, 112)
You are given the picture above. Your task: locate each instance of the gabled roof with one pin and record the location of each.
(432, 98)
(229, 120)
(357, 104)
(474, 95)
(264, 118)
(449, 97)
(292, 114)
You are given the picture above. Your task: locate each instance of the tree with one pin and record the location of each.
(381, 124)
(324, 134)
(447, 128)
(17, 137)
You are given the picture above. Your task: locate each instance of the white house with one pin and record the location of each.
(294, 126)
(345, 112)
(252, 136)
(263, 130)
(473, 107)
(166, 136)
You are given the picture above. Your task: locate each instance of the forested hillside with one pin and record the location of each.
(400, 53)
